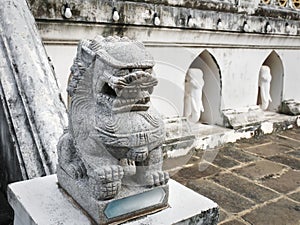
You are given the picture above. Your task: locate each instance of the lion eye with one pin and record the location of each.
(148, 71)
(122, 72)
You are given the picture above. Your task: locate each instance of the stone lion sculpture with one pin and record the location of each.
(114, 135)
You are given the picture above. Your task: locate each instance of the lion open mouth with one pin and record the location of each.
(128, 92)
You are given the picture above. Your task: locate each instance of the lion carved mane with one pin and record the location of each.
(114, 135)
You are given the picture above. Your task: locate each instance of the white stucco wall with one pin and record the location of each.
(62, 59)
(239, 70)
(291, 59)
(171, 66)
(238, 67)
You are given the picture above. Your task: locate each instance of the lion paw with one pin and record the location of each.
(105, 182)
(128, 166)
(154, 178)
(109, 173)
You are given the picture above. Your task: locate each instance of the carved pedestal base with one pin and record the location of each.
(238, 118)
(131, 202)
(290, 107)
(40, 201)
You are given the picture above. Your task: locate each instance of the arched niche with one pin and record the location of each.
(274, 62)
(211, 92)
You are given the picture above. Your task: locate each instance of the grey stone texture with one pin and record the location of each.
(241, 118)
(31, 111)
(56, 207)
(244, 187)
(238, 155)
(285, 182)
(295, 196)
(285, 160)
(190, 173)
(260, 170)
(292, 142)
(112, 148)
(178, 135)
(253, 142)
(234, 222)
(172, 14)
(79, 191)
(225, 162)
(261, 189)
(268, 150)
(226, 198)
(283, 211)
(290, 107)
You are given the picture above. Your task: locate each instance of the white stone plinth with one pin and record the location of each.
(40, 201)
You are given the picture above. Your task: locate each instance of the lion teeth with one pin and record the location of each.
(150, 90)
(110, 84)
(118, 91)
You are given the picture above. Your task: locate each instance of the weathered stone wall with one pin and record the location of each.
(188, 15)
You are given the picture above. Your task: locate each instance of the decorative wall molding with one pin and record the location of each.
(198, 15)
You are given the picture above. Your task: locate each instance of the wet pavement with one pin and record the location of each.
(255, 181)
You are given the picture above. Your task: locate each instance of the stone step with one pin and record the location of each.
(203, 136)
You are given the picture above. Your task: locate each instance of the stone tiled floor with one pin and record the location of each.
(255, 182)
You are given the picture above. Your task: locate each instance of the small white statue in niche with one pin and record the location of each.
(264, 83)
(193, 95)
